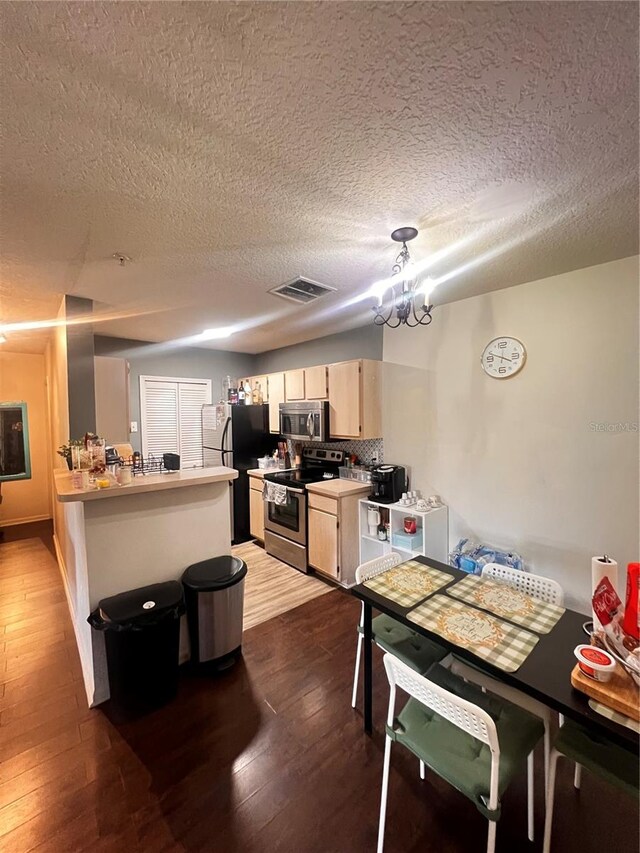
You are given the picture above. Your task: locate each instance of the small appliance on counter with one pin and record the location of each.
(171, 461)
(111, 455)
(388, 483)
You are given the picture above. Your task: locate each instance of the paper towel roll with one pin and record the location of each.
(602, 567)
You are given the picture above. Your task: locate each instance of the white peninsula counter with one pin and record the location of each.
(112, 540)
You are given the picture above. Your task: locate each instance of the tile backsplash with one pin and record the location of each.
(365, 450)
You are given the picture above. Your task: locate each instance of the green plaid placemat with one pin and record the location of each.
(508, 602)
(408, 583)
(499, 643)
(621, 719)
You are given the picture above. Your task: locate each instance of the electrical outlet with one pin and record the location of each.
(374, 459)
(134, 426)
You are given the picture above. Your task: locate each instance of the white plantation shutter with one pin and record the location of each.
(192, 396)
(171, 417)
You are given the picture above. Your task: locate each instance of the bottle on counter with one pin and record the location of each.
(255, 394)
(226, 389)
(247, 394)
(241, 394)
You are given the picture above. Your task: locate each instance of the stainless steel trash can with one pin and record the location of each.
(214, 595)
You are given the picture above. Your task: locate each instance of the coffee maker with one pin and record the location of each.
(389, 482)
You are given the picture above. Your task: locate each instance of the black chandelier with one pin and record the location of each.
(401, 302)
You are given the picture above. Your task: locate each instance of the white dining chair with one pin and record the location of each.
(461, 734)
(546, 589)
(389, 634)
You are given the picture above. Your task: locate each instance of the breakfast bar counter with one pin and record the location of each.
(112, 540)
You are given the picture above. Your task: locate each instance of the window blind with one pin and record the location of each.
(171, 417)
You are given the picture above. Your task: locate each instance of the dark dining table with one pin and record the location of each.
(545, 675)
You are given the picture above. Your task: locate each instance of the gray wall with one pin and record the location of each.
(163, 360)
(364, 342)
(80, 376)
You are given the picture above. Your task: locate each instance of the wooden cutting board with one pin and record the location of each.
(619, 693)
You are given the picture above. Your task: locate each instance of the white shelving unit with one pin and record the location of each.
(430, 540)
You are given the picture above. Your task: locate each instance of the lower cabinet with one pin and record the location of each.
(333, 535)
(256, 508)
(323, 542)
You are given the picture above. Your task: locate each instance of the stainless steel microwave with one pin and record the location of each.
(305, 421)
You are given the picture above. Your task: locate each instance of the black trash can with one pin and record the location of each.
(142, 638)
(214, 593)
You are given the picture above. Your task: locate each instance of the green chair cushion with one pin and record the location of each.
(403, 643)
(615, 764)
(456, 756)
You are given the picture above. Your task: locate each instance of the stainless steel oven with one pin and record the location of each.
(290, 518)
(285, 529)
(305, 421)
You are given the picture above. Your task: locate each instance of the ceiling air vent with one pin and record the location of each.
(302, 290)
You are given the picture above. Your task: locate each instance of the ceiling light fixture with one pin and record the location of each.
(215, 334)
(407, 304)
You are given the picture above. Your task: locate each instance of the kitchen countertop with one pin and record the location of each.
(142, 483)
(338, 488)
(257, 472)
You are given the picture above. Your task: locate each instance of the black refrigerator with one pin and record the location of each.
(235, 436)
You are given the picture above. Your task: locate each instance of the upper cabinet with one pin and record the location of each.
(111, 377)
(354, 399)
(351, 387)
(316, 382)
(294, 384)
(276, 385)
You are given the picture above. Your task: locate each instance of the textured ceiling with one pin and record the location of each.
(230, 147)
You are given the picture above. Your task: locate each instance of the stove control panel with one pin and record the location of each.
(323, 454)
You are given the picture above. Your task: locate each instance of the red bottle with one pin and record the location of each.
(630, 620)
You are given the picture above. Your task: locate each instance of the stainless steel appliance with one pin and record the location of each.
(388, 483)
(305, 421)
(285, 525)
(235, 436)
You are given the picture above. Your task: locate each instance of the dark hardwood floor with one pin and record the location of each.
(268, 757)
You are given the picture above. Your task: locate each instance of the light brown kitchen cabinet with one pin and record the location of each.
(276, 389)
(256, 508)
(294, 384)
(354, 399)
(323, 542)
(111, 377)
(333, 543)
(316, 382)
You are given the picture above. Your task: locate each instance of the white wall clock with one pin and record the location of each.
(503, 357)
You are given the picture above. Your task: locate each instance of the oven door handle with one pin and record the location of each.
(295, 491)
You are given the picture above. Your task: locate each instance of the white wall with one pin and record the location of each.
(519, 461)
(22, 378)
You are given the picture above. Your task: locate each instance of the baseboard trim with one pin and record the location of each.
(28, 520)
